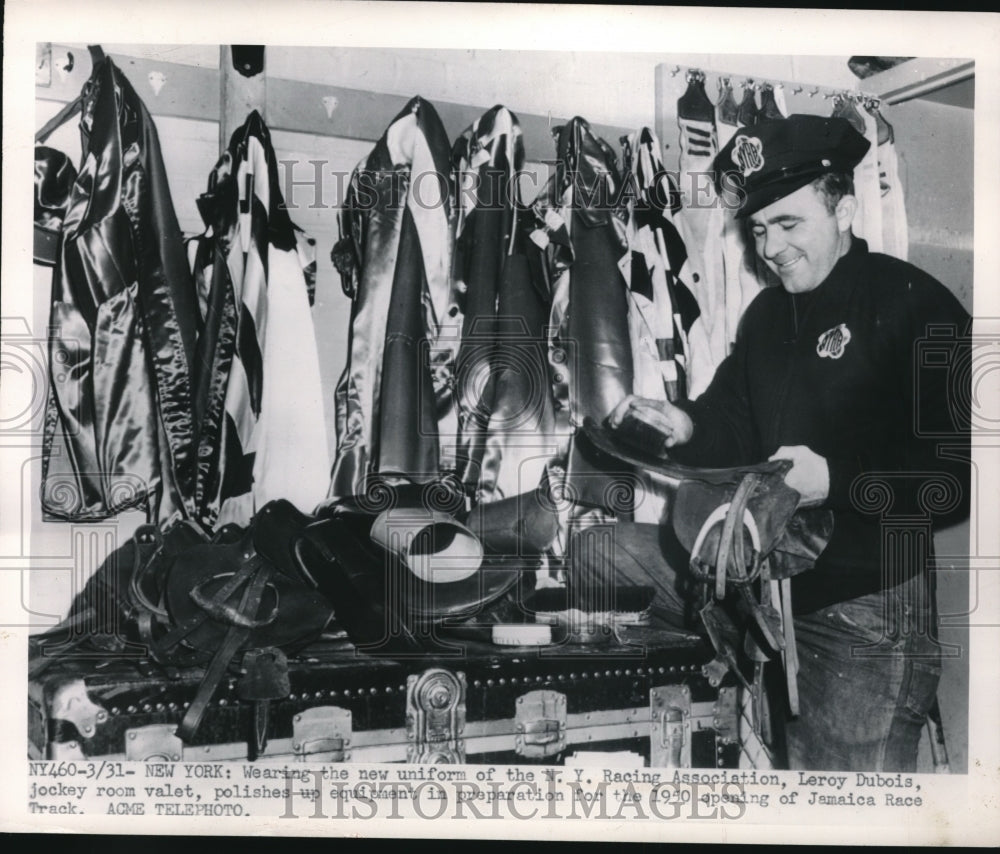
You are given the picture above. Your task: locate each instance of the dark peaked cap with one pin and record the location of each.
(776, 157)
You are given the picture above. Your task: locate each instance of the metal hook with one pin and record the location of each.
(797, 90)
(675, 71)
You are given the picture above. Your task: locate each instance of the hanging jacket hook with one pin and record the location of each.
(675, 71)
(156, 80)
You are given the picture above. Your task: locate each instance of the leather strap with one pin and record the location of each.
(182, 630)
(790, 653)
(221, 611)
(145, 554)
(732, 528)
(235, 637)
(261, 715)
(59, 119)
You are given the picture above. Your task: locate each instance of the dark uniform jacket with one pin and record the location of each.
(870, 370)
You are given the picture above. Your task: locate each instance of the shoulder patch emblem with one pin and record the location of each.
(833, 342)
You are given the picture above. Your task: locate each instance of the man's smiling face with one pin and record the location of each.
(800, 239)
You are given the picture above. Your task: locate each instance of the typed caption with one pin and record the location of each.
(293, 791)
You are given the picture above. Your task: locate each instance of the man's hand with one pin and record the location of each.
(809, 474)
(674, 424)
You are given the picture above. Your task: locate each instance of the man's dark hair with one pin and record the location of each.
(833, 186)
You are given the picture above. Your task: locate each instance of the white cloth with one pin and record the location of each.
(895, 228)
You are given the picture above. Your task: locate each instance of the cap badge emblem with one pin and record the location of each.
(832, 343)
(748, 154)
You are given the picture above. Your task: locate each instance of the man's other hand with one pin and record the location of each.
(674, 424)
(809, 474)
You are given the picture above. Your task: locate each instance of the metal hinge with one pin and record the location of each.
(540, 722)
(72, 703)
(726, 715)
(435, 717)
(670, 729)
(153, 743)
(322, 734)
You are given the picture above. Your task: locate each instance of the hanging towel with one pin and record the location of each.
(895, 230)
(868, 220)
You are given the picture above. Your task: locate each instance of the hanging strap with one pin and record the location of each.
(59, 119)
(235, 637)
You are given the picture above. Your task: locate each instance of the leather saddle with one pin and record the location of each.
(710, 505)
(398, 570)
(743, 530)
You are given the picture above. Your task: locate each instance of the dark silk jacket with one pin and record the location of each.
(505, 413)
(580, 243)
(120, 425)
(395, 264)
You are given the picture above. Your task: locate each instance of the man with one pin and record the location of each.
(824, 373)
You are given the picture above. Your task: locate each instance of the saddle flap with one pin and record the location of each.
(203, 581)
(802, 542)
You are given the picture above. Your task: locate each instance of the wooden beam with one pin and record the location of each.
(357, 114)
(238, 96)
(192, 92)
(188, 91)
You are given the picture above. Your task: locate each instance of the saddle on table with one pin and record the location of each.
(744, 531)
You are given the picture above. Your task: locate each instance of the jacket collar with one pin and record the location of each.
(848, 266)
